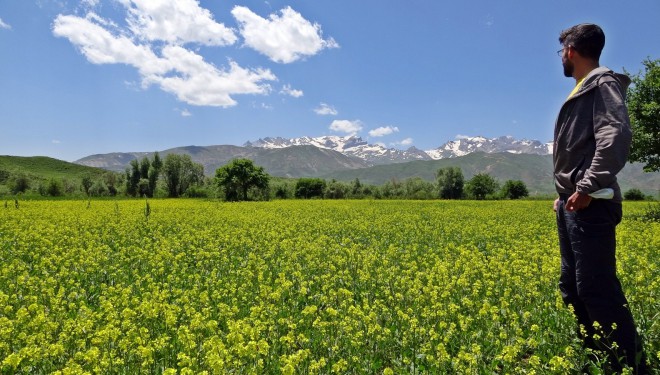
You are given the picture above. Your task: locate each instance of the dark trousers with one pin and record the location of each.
(588, 281)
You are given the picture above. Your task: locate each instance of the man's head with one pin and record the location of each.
(585, 39)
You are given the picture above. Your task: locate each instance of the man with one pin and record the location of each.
(591, 145)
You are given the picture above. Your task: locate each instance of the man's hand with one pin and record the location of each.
(555, 206)
(577, 201)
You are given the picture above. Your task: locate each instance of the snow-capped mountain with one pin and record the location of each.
(467, 145)
(378, 154)
(351, 146)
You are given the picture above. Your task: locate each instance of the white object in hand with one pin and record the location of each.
(606, 193)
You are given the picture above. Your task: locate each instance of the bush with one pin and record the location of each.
(52, 188)
(481, 186)
(514, 189)
(4, 176)
(98, 189)
(310, 188)
(19, 184)
(652, 213)
(196, 191)
(634, 195)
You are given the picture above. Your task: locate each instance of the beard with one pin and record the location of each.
(568, 68)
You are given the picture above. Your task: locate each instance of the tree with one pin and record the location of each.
(418, 188)
(336, 190)
(309, 188)
(356, 188)
(238, 177)
(393, 189)
(179, 173)
(514, 189)
(644, 109)
(19, 183)
(132, 178)
(634, 194)
(153, 173)
(145, 164)
(99, 189)
(111, 181)
(450, 182)
(282, 189)
(481, 186)
(53, 188)
(87, 183)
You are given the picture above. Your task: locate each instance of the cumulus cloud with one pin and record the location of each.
(325, 109)
(461, 136)
(3, 25)
(383, 131)
(176, 70)
(287, 90)
(346, 126)
(176, 21)
(284, 38)
(155, 36)
(102, 47)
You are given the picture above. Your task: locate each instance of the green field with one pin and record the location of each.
(298, 287)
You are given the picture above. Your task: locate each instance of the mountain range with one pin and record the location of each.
(348, 158)
(354, 153)
(376, 154)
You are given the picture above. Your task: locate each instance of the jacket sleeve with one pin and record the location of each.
(612, 134)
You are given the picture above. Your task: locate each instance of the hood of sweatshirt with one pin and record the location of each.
(595, 75)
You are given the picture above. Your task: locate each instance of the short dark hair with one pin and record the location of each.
(586, 38)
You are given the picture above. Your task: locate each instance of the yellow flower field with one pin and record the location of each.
(298, 287)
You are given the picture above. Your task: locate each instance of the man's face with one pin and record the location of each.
(566, 63)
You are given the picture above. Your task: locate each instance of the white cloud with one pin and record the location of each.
(3, 25)
(461, 136)
(90, 3)
(184, 112)
(200, 83)
(383, 131)
(346, 126)
(404, 142)
(55, 142)
(101, 47)
(325, 110)
(176, 21)
(177, 70)
(287, 90)
(283, 38)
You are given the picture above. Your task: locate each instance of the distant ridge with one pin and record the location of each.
(294, 161)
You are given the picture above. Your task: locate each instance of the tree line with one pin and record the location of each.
(241, 180)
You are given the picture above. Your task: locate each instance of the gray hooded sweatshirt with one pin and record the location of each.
(592, 135)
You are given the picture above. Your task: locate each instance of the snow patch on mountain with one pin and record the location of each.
(350, 145)
(379, 154)
(468, 145)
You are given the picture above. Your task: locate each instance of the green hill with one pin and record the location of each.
(40, 169)
(44, 167)
(534, 170)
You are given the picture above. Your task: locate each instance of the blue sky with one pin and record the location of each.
(98, 76)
